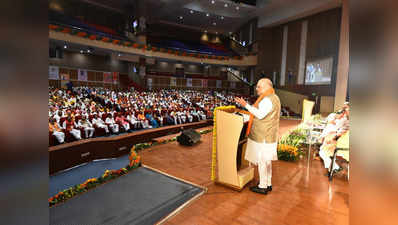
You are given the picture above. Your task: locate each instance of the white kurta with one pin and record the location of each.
(255, 151)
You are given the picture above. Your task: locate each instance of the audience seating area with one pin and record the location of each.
(130, 111)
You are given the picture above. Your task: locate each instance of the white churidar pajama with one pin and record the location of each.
(261, 154)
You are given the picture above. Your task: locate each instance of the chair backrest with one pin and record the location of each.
(307, 109)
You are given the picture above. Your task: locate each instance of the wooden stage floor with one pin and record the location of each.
(301, 194)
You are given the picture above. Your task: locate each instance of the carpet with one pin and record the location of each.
(142, 196)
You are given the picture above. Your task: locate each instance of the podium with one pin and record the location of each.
(232, 169)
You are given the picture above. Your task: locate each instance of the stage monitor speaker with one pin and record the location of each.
(189, 137)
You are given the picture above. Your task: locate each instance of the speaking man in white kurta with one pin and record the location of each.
(262, 133)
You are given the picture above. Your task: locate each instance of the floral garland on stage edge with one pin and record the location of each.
(214, 147)
(134, 162)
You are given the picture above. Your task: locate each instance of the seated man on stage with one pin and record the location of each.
(262, 132)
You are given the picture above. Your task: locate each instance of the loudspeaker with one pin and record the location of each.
(188, 137)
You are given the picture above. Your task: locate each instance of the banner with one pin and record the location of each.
(115, 76)
(53, 72)
(189, 82)
(173, 81)
(232, 84)
(82, 75)
(64, 76)
(204, 83)
(218, 83)
(107, 77)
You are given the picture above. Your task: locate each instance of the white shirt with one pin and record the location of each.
(264, 107)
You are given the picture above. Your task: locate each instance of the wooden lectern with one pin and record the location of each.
(233, 170)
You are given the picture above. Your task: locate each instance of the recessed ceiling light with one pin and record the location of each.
(191, 11)
(222, 17)
(65, 46)
(207, 14)
(226, 5)
(212, 1)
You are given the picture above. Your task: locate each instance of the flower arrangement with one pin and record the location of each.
(287, 152)
(289, 146)
(214, 147)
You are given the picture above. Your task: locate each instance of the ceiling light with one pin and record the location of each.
(207, 14)
(226, 5)
(222, 17)
(65, 46)
(237, 7)
(191, 11)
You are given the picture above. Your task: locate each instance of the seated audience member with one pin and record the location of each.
(70, 125)
(133, 120)
(87, 126)
(112, 124)
(97, 121)
(56, 130)
(189, 116)
(120, 119)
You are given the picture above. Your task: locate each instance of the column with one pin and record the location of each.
(344, 59)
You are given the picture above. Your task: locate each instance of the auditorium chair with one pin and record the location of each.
(342, 151)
